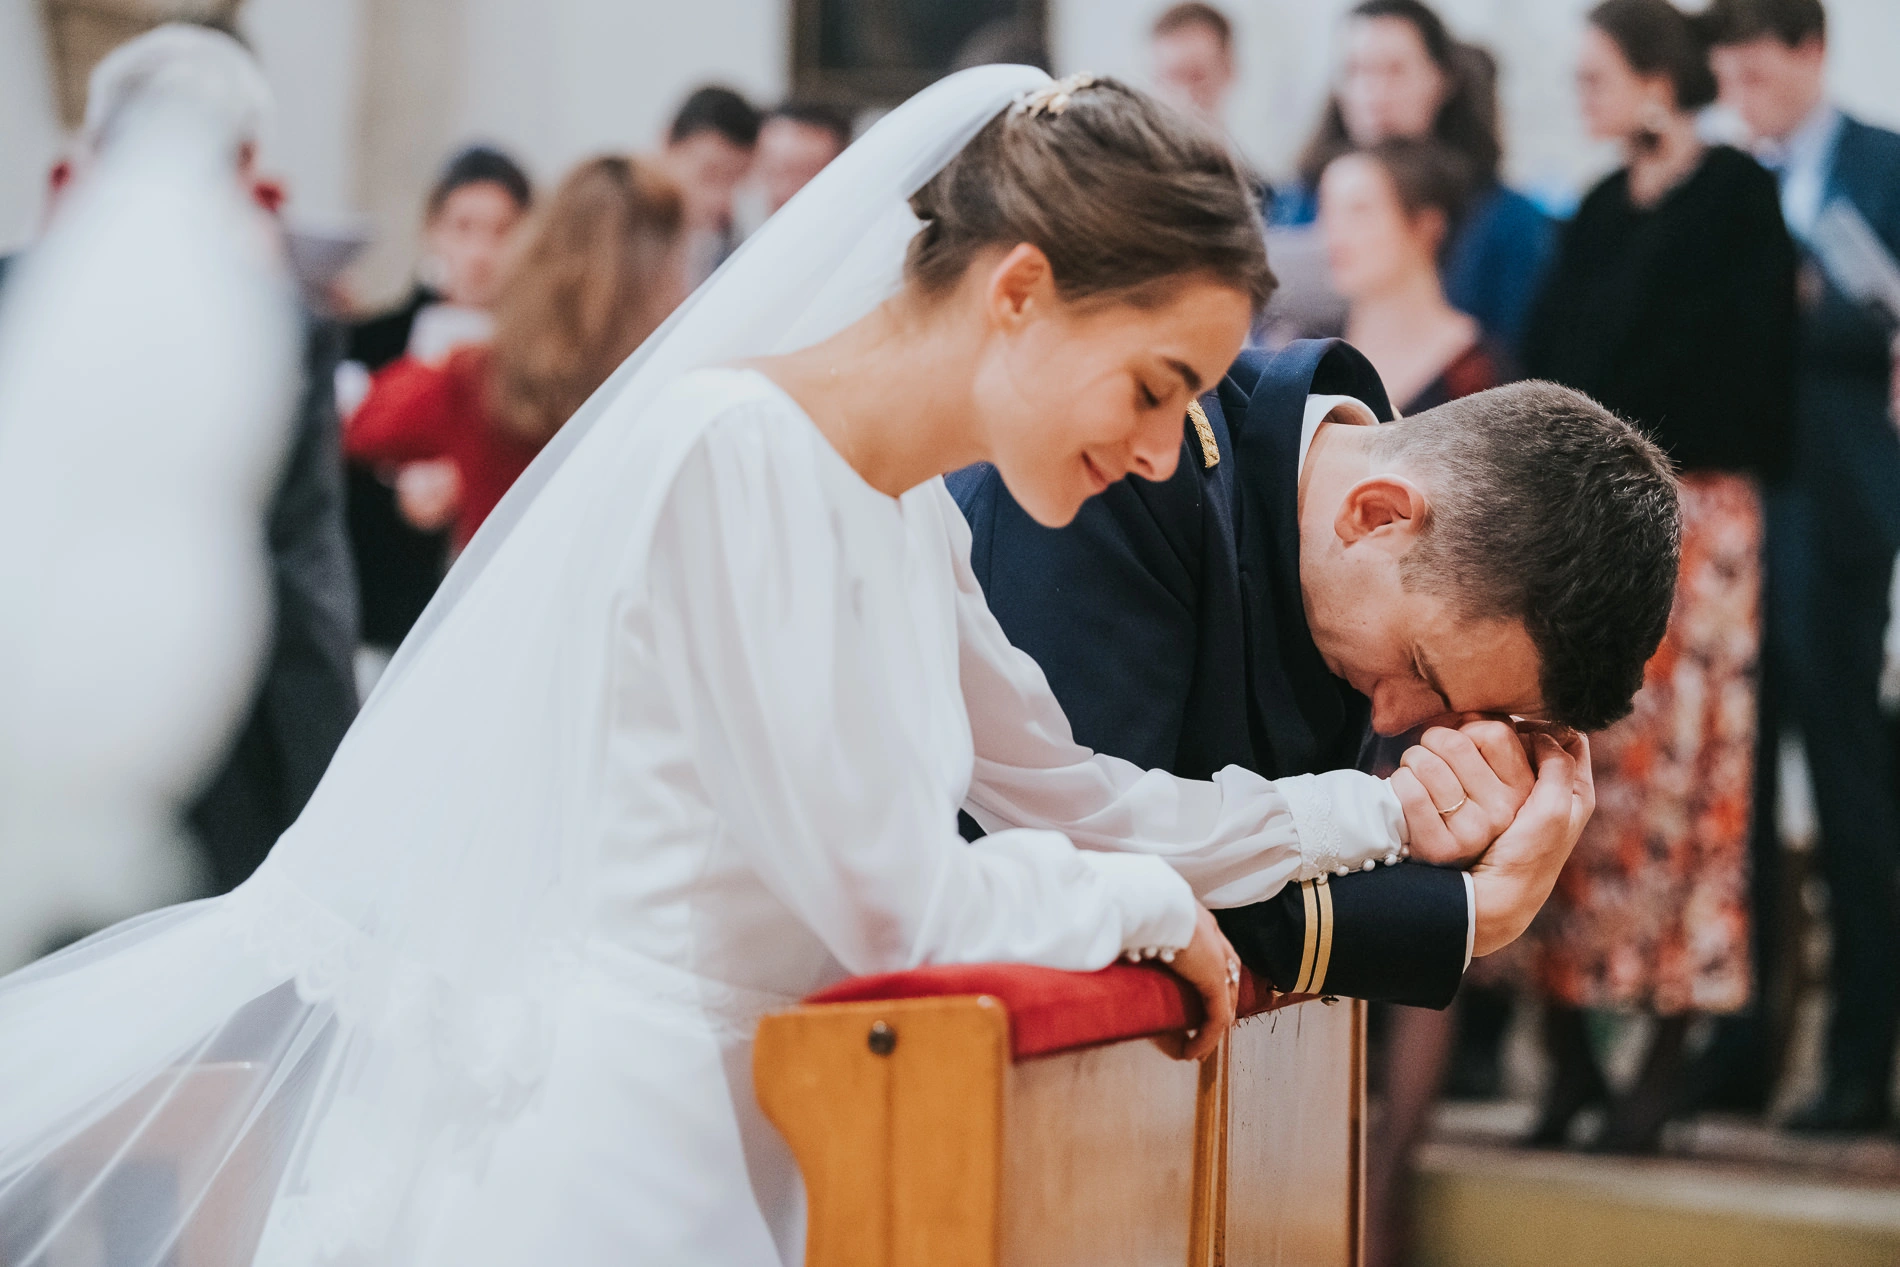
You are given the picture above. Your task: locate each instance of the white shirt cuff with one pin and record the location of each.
(1157, 907)
(1471, 917)
(1346, 820)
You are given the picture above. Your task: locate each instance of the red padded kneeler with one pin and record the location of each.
(1052, 1011)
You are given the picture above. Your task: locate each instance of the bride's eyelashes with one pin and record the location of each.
(1145, 397)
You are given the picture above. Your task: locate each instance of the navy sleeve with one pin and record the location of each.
(306, 696)
(1106, 606)
(1390, 935)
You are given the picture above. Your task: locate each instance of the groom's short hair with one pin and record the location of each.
(1547, 508)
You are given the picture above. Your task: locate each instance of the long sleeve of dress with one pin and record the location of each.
(1237, 838)
(828, 758)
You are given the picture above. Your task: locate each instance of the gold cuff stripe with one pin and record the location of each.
(1310, 952)
(1325, 894)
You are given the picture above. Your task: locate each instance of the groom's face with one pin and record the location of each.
(1418, 662)
(1404, 648)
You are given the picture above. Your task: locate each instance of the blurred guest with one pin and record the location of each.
(599, 271)
(709, 151)
(305, 696)
(1384, 214)
(468, 222)
(1833, 533)
(1672, 301)
(796, 141)
(1193, 48)
(1405, 76)
(148, 357)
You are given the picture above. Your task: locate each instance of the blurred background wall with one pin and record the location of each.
(374, 92)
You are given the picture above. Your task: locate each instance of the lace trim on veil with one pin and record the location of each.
(421, 1073)
(499, 1042)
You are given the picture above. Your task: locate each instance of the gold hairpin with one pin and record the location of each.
(1052, 99)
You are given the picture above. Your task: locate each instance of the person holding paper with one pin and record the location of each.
(1833, 535)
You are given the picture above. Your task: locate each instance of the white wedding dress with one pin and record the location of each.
(685, 740)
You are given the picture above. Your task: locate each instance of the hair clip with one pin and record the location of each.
(1052, 99)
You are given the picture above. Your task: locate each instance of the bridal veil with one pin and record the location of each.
(310, 1069)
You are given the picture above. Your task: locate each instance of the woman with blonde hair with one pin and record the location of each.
(599, 272)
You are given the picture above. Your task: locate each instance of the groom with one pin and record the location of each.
(1249, 611)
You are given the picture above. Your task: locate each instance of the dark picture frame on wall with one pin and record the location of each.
(871, 53)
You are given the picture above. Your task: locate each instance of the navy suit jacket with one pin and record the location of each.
(1169, 622)
(1847, 455)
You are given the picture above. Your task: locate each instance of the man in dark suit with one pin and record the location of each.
(305, 697)
(1833, 531)
(474, 206)
(1214, 618)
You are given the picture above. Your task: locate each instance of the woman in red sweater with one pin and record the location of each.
(600, 271)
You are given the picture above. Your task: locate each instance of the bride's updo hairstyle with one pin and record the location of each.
(1126, 195)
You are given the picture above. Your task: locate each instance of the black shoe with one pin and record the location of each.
(1475, 1076)
(1572, 1091)
(1635, 1122)
(1730, 1077)
(1621, 1139)
(1575, 1081)
(1843, 1109)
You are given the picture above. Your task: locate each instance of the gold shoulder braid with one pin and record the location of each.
(1210, 451)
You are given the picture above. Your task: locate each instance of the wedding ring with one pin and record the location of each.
(1447, 813)
(1233, 972)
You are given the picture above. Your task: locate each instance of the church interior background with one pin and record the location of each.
(373, 93)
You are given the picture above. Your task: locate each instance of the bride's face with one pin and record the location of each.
(1074, 396)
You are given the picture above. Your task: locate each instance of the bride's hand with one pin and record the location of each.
(1210, 965)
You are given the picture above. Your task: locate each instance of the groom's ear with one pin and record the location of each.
(1020, 283)
(1387, 509)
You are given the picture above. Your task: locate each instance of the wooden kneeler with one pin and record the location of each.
(1000, 1116)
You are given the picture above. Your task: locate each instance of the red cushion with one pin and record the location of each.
(1052, 1011)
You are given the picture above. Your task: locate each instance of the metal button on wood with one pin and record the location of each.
(883, 1039)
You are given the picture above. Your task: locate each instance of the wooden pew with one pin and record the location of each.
(1002, 1116)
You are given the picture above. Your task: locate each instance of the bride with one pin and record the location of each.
(685, 737)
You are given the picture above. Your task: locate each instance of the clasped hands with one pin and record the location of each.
(1507, 801)
(1472, 800)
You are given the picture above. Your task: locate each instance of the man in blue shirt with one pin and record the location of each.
(1833, 531)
